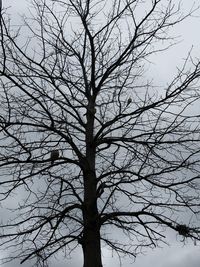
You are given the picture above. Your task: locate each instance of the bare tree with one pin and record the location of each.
(88, 145)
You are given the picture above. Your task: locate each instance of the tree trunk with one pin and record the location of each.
(91, 231)
(91, 248)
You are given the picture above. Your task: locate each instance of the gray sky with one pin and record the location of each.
(163, 68)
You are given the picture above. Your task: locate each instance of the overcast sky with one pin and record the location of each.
(178, 254)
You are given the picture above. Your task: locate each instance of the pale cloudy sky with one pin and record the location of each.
(177, 255)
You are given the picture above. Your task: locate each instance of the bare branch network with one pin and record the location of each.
(89, 147)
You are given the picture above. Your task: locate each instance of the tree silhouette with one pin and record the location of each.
(89, 147)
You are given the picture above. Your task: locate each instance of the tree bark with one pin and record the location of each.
(91, 231)
(92, 252)
(91, 246)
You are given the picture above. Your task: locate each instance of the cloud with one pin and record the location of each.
(182, 257)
